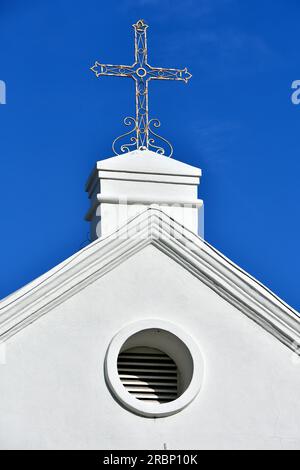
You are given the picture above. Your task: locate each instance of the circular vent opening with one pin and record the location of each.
(153, 368)
(148, 374)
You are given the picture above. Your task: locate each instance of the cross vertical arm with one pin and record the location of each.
(141, 84)
(142, 117)
(140, 43)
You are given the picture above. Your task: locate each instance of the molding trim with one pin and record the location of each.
(146, 177)
(125, 200)
(191, 203)
(151, 227)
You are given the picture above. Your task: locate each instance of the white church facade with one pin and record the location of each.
(148, 338)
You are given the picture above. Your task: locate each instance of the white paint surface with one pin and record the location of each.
(53, 392)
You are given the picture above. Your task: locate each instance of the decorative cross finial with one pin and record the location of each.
(141, 135)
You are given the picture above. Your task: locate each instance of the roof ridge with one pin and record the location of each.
(155, 227)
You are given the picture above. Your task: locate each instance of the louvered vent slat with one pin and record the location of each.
(148, 374)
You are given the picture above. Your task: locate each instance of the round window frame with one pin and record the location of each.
(140, 407)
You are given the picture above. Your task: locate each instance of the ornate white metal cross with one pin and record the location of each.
(144, 136)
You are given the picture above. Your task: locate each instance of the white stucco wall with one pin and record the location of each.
(53, 392)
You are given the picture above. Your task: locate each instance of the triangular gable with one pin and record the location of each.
(194, 254)
(132, 162)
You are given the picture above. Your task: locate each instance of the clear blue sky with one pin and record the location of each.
(234, 119)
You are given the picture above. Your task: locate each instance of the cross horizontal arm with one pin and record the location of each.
(114, 70)
(156, 73)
